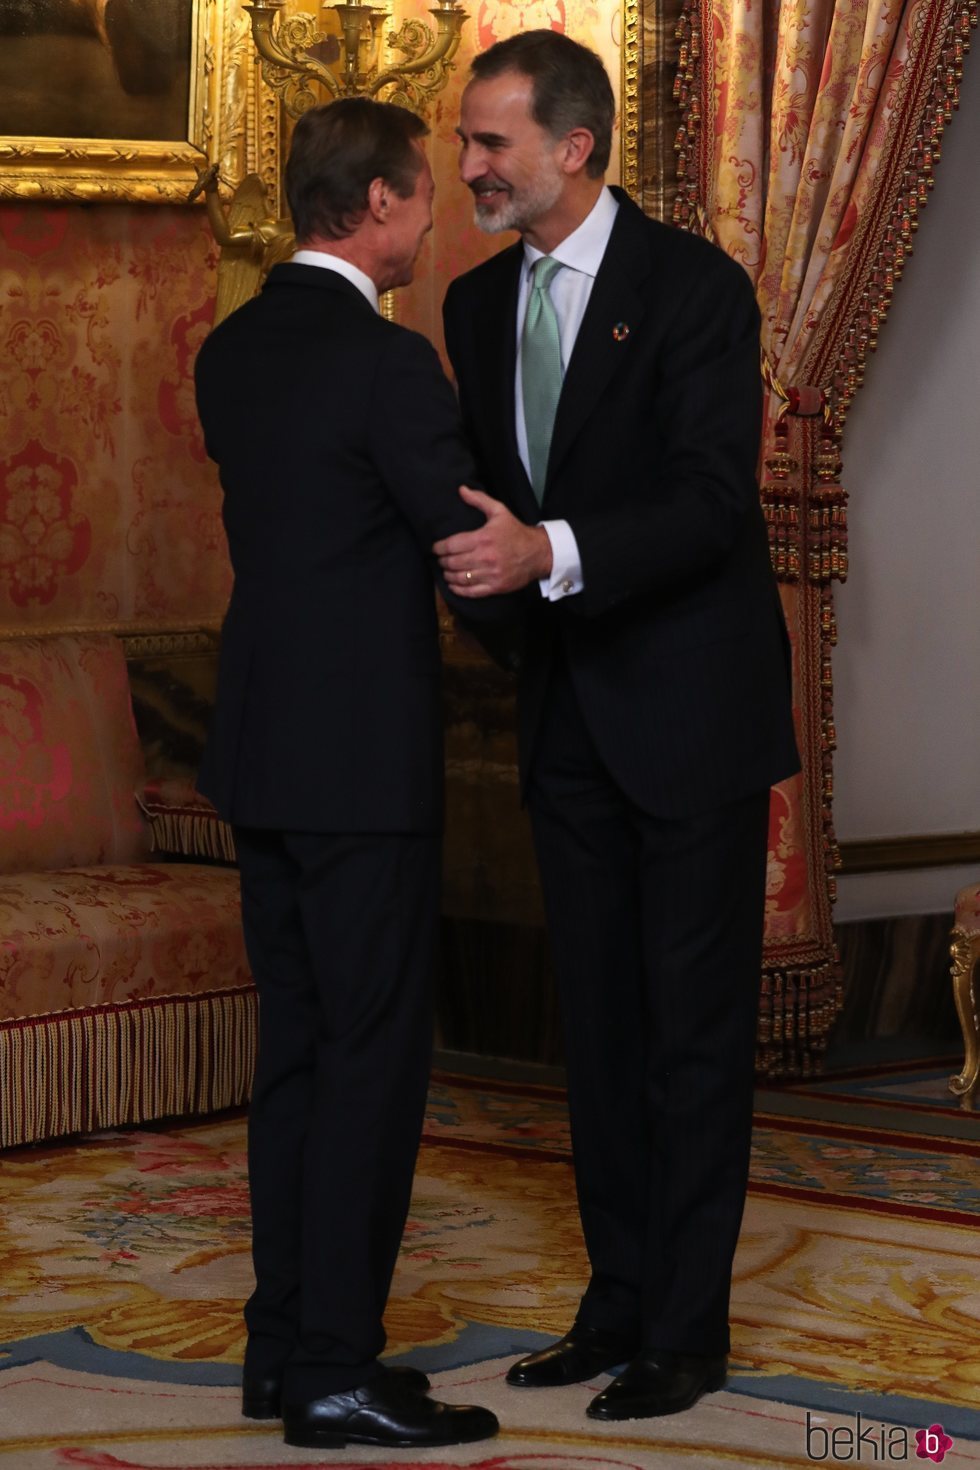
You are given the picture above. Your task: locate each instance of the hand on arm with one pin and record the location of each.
(422, 456)
(504, 555)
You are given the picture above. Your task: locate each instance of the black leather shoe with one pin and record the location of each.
(580, 1354)
(383, 1412)
(659, 1383)
(261, 1397)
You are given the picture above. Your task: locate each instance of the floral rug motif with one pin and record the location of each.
(124, 1261)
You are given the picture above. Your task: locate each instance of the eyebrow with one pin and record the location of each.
(488, 139)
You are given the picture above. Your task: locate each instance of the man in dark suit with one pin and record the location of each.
(340, 452)
(608, 372)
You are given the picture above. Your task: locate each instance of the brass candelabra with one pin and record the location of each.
(288, 46)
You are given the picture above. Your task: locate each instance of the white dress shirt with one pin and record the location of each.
(343, 268)
(581, 255)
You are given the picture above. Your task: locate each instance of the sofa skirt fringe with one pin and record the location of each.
(118, 1065)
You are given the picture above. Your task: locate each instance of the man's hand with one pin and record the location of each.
(502, 556)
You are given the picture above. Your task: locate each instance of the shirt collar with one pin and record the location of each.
(343, 268)
(584, 248)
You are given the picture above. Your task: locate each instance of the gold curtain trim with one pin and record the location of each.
(687, 95)
(796, 1011)
(855, 317)
(115, 1066)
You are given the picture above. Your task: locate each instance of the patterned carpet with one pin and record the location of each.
(124, 1263)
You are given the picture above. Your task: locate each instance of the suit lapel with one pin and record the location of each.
(602, 345)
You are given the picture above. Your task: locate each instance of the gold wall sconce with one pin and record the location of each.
(288, 46)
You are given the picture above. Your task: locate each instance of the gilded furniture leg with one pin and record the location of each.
(964, 952)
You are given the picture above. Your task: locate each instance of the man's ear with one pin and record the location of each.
(378, 200)
(579, 145)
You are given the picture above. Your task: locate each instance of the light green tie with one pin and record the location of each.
(540, 369)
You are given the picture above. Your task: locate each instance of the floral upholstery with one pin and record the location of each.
(125, 992)
(70, 760)
(92, 936)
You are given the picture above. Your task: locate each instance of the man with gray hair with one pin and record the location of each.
(608, 372)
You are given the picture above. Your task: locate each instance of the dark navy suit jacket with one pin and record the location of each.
(677, 647)
(340, 451)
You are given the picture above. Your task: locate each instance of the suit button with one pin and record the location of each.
(566, 585)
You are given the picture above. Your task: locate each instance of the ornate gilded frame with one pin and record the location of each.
(228, 121)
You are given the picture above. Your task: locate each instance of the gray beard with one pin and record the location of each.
(518, 214)
(491, 224)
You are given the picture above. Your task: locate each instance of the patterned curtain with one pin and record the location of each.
(810, 133)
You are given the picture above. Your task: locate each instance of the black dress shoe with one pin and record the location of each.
(383, 1412)
(262, 1397)
(659, 1383)
(580, 1354)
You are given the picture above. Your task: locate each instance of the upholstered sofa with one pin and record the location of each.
(125, 992)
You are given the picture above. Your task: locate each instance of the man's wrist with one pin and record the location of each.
(544, 560)
(564, 577)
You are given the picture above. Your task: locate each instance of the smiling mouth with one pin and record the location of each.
(484, 193)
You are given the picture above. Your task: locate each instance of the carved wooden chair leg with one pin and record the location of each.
(965, 954)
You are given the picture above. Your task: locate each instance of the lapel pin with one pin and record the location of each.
(620, 332)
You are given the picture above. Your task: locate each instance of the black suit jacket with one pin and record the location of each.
(340, 452)
(677, 647)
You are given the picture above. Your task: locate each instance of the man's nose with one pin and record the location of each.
(472, 164)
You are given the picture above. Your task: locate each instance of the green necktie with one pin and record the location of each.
(540, 369)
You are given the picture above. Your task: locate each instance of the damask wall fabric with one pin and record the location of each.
(109, 508)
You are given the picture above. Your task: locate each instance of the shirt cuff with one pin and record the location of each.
(566, 564)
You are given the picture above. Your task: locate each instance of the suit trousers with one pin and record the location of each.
(656, 936)
(340, 933)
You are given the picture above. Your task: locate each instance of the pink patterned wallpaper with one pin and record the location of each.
(109, 509)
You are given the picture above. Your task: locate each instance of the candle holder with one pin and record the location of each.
(287, 46)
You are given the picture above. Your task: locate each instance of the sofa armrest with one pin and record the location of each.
(184, 822)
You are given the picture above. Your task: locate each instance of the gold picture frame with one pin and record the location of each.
(228, 121)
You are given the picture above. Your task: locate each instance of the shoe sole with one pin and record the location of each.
(565, 1382)
(336, 1439)
(712, 1386)
(561, 1382)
